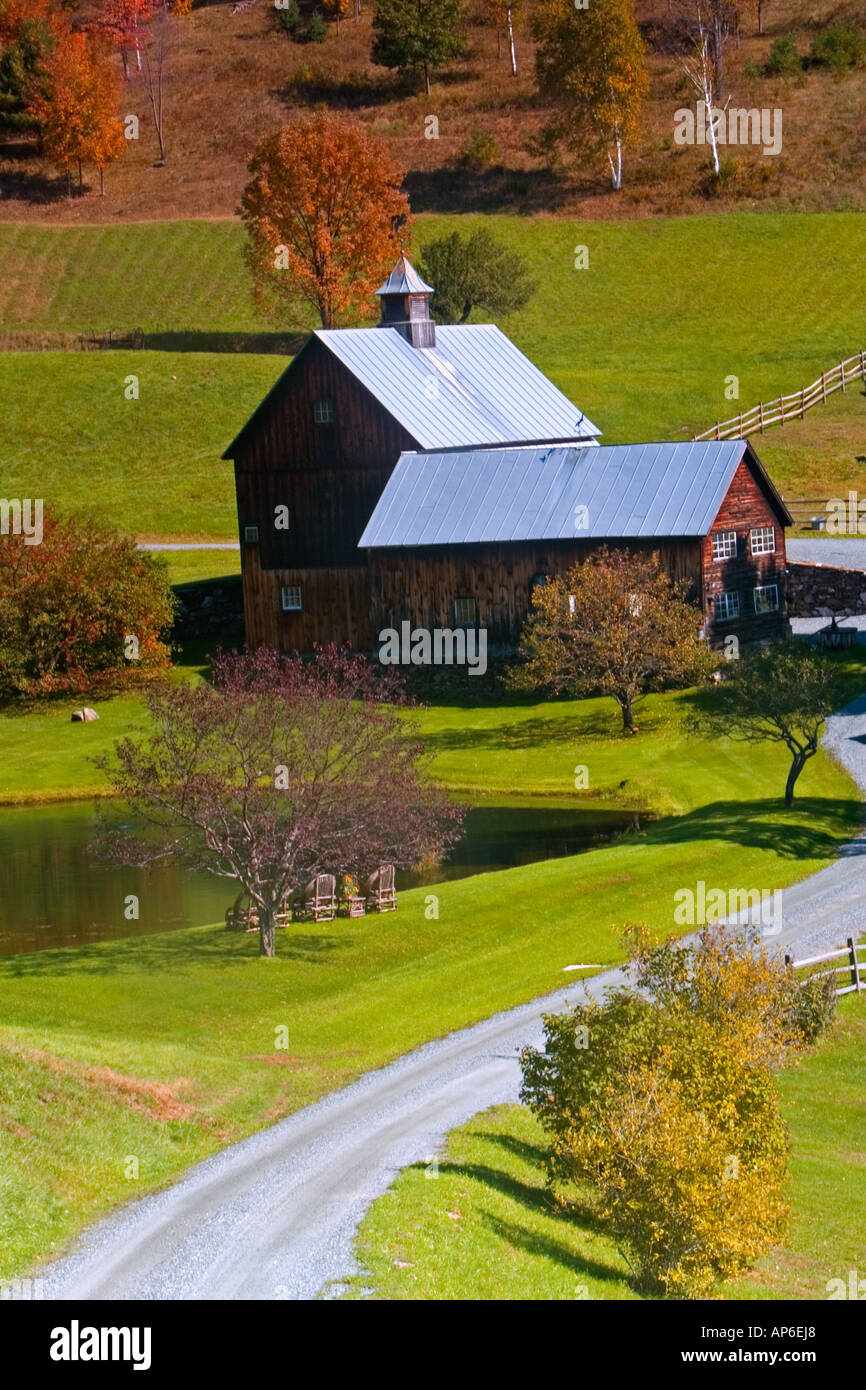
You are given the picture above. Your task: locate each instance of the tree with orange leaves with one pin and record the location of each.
(75, 106)
(123, 22)
(28, 32)
(324, 212)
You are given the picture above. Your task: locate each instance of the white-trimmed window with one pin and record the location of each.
(323, 412)
(726, 606)
(291, 598)
(465, 612)
(762, 540)
(251, 534)
(767, 598)
(724, 545)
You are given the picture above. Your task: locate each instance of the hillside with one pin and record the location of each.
(232, 78)
(643, 341)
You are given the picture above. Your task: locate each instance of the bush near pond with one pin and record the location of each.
(80, 607)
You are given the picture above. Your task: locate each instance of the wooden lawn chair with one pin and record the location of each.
(320, 897)
(381, 893)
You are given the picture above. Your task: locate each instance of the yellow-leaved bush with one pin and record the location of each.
(662, 1109)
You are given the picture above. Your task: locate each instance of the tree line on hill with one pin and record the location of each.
(61, 79)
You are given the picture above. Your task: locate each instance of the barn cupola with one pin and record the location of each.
(406, 305)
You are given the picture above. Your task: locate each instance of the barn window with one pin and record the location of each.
(465, 612)
(537, 581)
(767, 598)
(323, 412)
(762, 540)
(724, 545)
(251, 534)
(727, 606)
(292, 598)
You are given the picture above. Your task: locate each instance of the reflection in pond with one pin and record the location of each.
(53, 893)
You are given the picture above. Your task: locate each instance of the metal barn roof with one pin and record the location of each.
(628, 491)
(475, 387)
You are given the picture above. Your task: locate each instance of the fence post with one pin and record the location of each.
(761, 415)
(842, 374)
(781, 411)
(855, 964)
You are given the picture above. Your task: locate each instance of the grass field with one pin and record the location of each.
(476, 1221)
(643, 341)
(96, 1065)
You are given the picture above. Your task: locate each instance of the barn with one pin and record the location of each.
(312, 461)
(463, 538)
(430, 473)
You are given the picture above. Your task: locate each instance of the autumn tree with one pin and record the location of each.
(28, 32)
(337, 9)
(75, 105)
(590, 66)
(279, 770)
(418, 36)
(323, 216)
(124, 21)
(660, 1105)
(615, 625)
(70, 603)
(782, 694)
(471, 271)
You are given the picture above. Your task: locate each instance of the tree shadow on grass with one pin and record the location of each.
(502, 190)
(523, 733)
(534, 1198)
(171, 953)
(814, 828)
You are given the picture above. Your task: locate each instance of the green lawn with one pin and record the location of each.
(97, 1065)
(477, 1222)
(643, 340)
(189, 566)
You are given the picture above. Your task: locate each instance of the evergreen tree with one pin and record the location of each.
(418, 35)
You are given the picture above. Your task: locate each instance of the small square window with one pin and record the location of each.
(323, 412)
(465, 612)
(724, 545)
(251, 534)
(726, 606)
(767, 598)
(762, 540)
(292, 598)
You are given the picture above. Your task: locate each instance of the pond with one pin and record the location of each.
(54, 893)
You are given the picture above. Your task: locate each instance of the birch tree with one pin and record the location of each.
(590, 64)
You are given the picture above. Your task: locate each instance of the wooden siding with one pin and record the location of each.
(421, 585)
(335, 607)
(745, 507)
(330, 476)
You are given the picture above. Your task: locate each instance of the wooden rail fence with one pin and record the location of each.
(794, 407)
(855, 969)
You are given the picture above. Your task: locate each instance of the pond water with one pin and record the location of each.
(54, 893)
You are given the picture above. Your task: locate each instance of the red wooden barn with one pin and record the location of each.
(432, 473)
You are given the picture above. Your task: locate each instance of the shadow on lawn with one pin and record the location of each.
(534, 1198)
(170, 953)
(765, 824)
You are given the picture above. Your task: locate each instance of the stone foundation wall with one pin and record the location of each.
(210, 608)
(821, 591)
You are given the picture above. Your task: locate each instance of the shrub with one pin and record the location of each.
(69, 605)
(290, 18)
(480, 151)
(839, 47)
(783, 59)
(814, 1006)
(317, 30)
(663, 1113)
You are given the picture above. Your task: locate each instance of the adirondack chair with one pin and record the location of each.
(241, 918)
(381, 893)
(320, 898)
